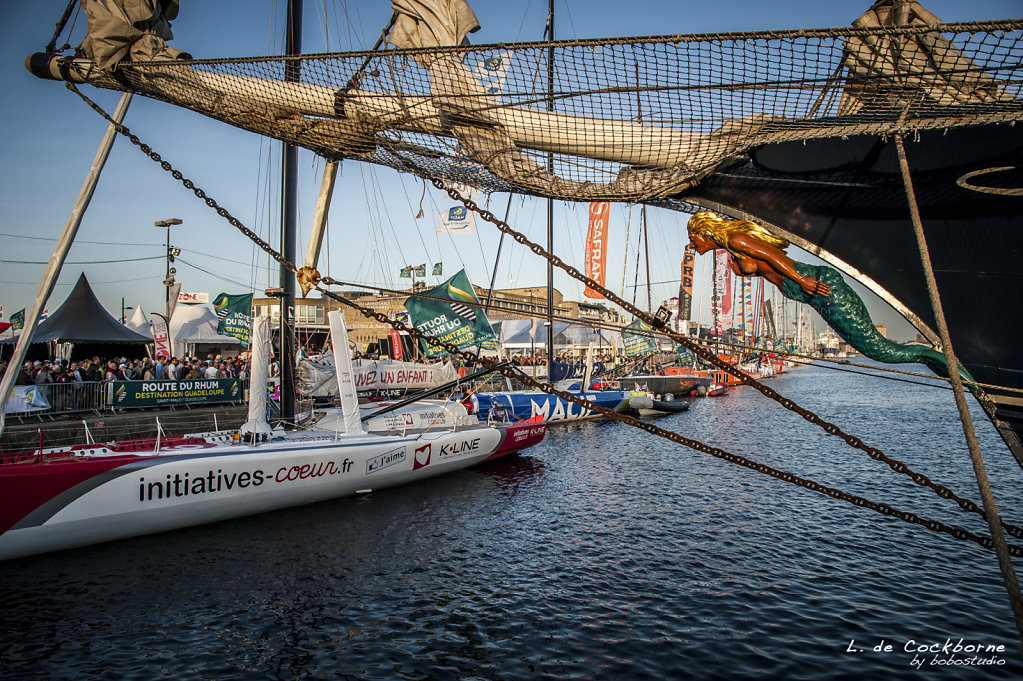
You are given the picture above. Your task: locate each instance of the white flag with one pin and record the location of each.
(459, 219)
(493, 71)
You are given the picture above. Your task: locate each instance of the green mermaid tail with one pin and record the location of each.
(845, 312)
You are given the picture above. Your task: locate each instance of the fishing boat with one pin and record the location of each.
(61, 498)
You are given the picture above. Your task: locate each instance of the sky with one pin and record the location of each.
(51, 137)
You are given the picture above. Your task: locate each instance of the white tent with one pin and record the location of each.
(139, 323)
(193, 325)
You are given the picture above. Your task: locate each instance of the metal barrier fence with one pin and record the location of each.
(52, 399)
(57, 398)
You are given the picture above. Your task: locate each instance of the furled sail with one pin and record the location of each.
(633, 119)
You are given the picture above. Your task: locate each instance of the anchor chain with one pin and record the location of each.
(879, 507)
(830, 428)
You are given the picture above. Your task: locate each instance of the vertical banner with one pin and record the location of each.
(172, 300)
(161, 336)
(235, 314)
(723, 289)
(396, 345)
(685, 292)
(747, 306)
(596, 246)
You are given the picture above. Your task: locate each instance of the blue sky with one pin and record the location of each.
(51, 137)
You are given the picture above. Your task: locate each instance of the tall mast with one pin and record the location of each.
(289, 222)
(646, 252)
(550, 202)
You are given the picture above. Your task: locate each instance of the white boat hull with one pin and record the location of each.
(179, 488)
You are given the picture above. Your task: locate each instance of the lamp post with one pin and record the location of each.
(168, 280)
(124, 320)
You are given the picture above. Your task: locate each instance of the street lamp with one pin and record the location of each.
(124, 320)
(168, 280)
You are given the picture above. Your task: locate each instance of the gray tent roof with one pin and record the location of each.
(82, 319)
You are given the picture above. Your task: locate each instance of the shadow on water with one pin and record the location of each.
(603, 553)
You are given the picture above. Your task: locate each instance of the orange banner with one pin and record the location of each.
(596, 245)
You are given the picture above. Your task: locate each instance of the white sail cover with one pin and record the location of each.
(260, 349)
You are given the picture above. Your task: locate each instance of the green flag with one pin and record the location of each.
(421, 270)
(450, 320)
(18, 320)
(438, 269)
(406, 272)
(639, 340)
(235, 314)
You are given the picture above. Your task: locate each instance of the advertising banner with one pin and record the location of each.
(723, 289)
(161, 393)
(637, 342)
(26, 398)
(596, 246)
(685, 290)
(163, 347)
(396, 344)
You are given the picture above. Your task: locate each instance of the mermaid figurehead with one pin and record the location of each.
(757, 252)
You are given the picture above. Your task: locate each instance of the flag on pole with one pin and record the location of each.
(406, 272)
(18, 319)
(235, 314)
(458, 219)
(421, 270)
(455, 319)
(438, 270)
(492, 72)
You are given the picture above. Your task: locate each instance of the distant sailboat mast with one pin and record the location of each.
(550, 201)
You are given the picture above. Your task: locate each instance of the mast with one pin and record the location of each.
(550, 201)
(715, 296)
(289, 222)
(646, 252)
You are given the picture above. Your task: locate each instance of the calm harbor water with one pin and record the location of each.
(604, 553)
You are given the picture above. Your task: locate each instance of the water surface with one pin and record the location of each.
(604, 553)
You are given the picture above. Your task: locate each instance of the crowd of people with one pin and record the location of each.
(41, 372)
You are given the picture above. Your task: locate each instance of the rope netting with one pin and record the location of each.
(638, 119)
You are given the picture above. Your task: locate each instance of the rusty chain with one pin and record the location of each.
(897, 466)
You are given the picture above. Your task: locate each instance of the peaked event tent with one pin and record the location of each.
(139, 323)
(82, 319)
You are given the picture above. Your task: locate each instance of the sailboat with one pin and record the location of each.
(888, 149)
(62, 498)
